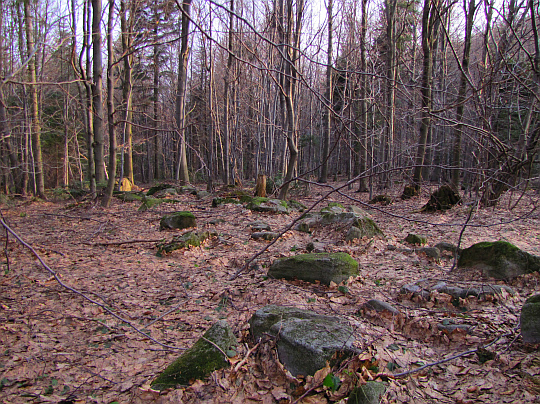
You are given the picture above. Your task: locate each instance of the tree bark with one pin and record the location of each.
(328, 110)
(110, 110)
(182, 173)
(35, 122)
(97, 92)
(127, 89)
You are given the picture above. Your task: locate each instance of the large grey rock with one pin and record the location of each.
(500, 260)
(335, 214)
(530, 320)
(200, 360)
(266, 205)
(307, 340)
(178, 220)
(322, 267)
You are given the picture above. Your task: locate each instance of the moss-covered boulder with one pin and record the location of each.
(442, 199)
(158, 187)
(128, 196)
(335, 214)
(190, 238)
(530, 320)
(266, 205)
(222, 201)
(200, 360)
(307, 340)
(322, 267)
(178, 220)
(264, 235)
(369, 393)
(416, 239)
(499, 259)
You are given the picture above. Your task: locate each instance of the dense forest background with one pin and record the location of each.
(378, 92)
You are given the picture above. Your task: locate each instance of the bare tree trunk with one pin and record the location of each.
(328, 99)
(110, 110)
(97, 93)
(127, 89)
(229, 77)
(36, 124)
(182, 173)
(362, 185)
(290, 73)
(158, 152)
(456, 150)
(390, 90)
(430, 22)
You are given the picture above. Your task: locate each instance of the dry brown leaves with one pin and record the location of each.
(57, 347)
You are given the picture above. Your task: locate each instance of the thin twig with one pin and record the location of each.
(104, 307)
(126, 242)
(243, 361)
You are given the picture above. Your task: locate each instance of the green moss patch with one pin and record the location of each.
(200, 360)
(194, 239)
(178, 220)
(322, 267)
(499, 259)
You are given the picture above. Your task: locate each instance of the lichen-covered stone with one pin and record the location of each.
(353, 233)
(307, 340)
(178, 220)
(129, 196)
(203, 194)
(430, 252)
(369, 393)
(259, 204)
(530, 320)
(200, 360)
(260, 226)
(322, 267)
(380, 306)
(500, 260)
(416, 239)
(222, 201)
(194, 239)
(158, 187)
(265, 235)
(444, 246)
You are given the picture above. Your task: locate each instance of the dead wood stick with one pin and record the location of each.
(243, 361)
(126, 242)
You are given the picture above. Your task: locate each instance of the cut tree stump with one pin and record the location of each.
(260, 188)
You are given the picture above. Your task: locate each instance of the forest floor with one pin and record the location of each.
(56, 346)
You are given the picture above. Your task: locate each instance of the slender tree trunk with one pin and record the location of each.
(127, 89)
(158, 152)
(36, 124)
(456, 150)
(229, 78)
(429, 33)
(182, 173)
(97, 93)
(290, 73)
(328, 110)
(390, 90)
(362, 185)
(110, 109)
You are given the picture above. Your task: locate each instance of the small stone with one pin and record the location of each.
(380, 306)
(530, 320)
(265, 235)
(260, 226)
(416, 239)
(178, 220)
(431, 252)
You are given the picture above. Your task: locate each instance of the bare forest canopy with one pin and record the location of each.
(393, 92)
